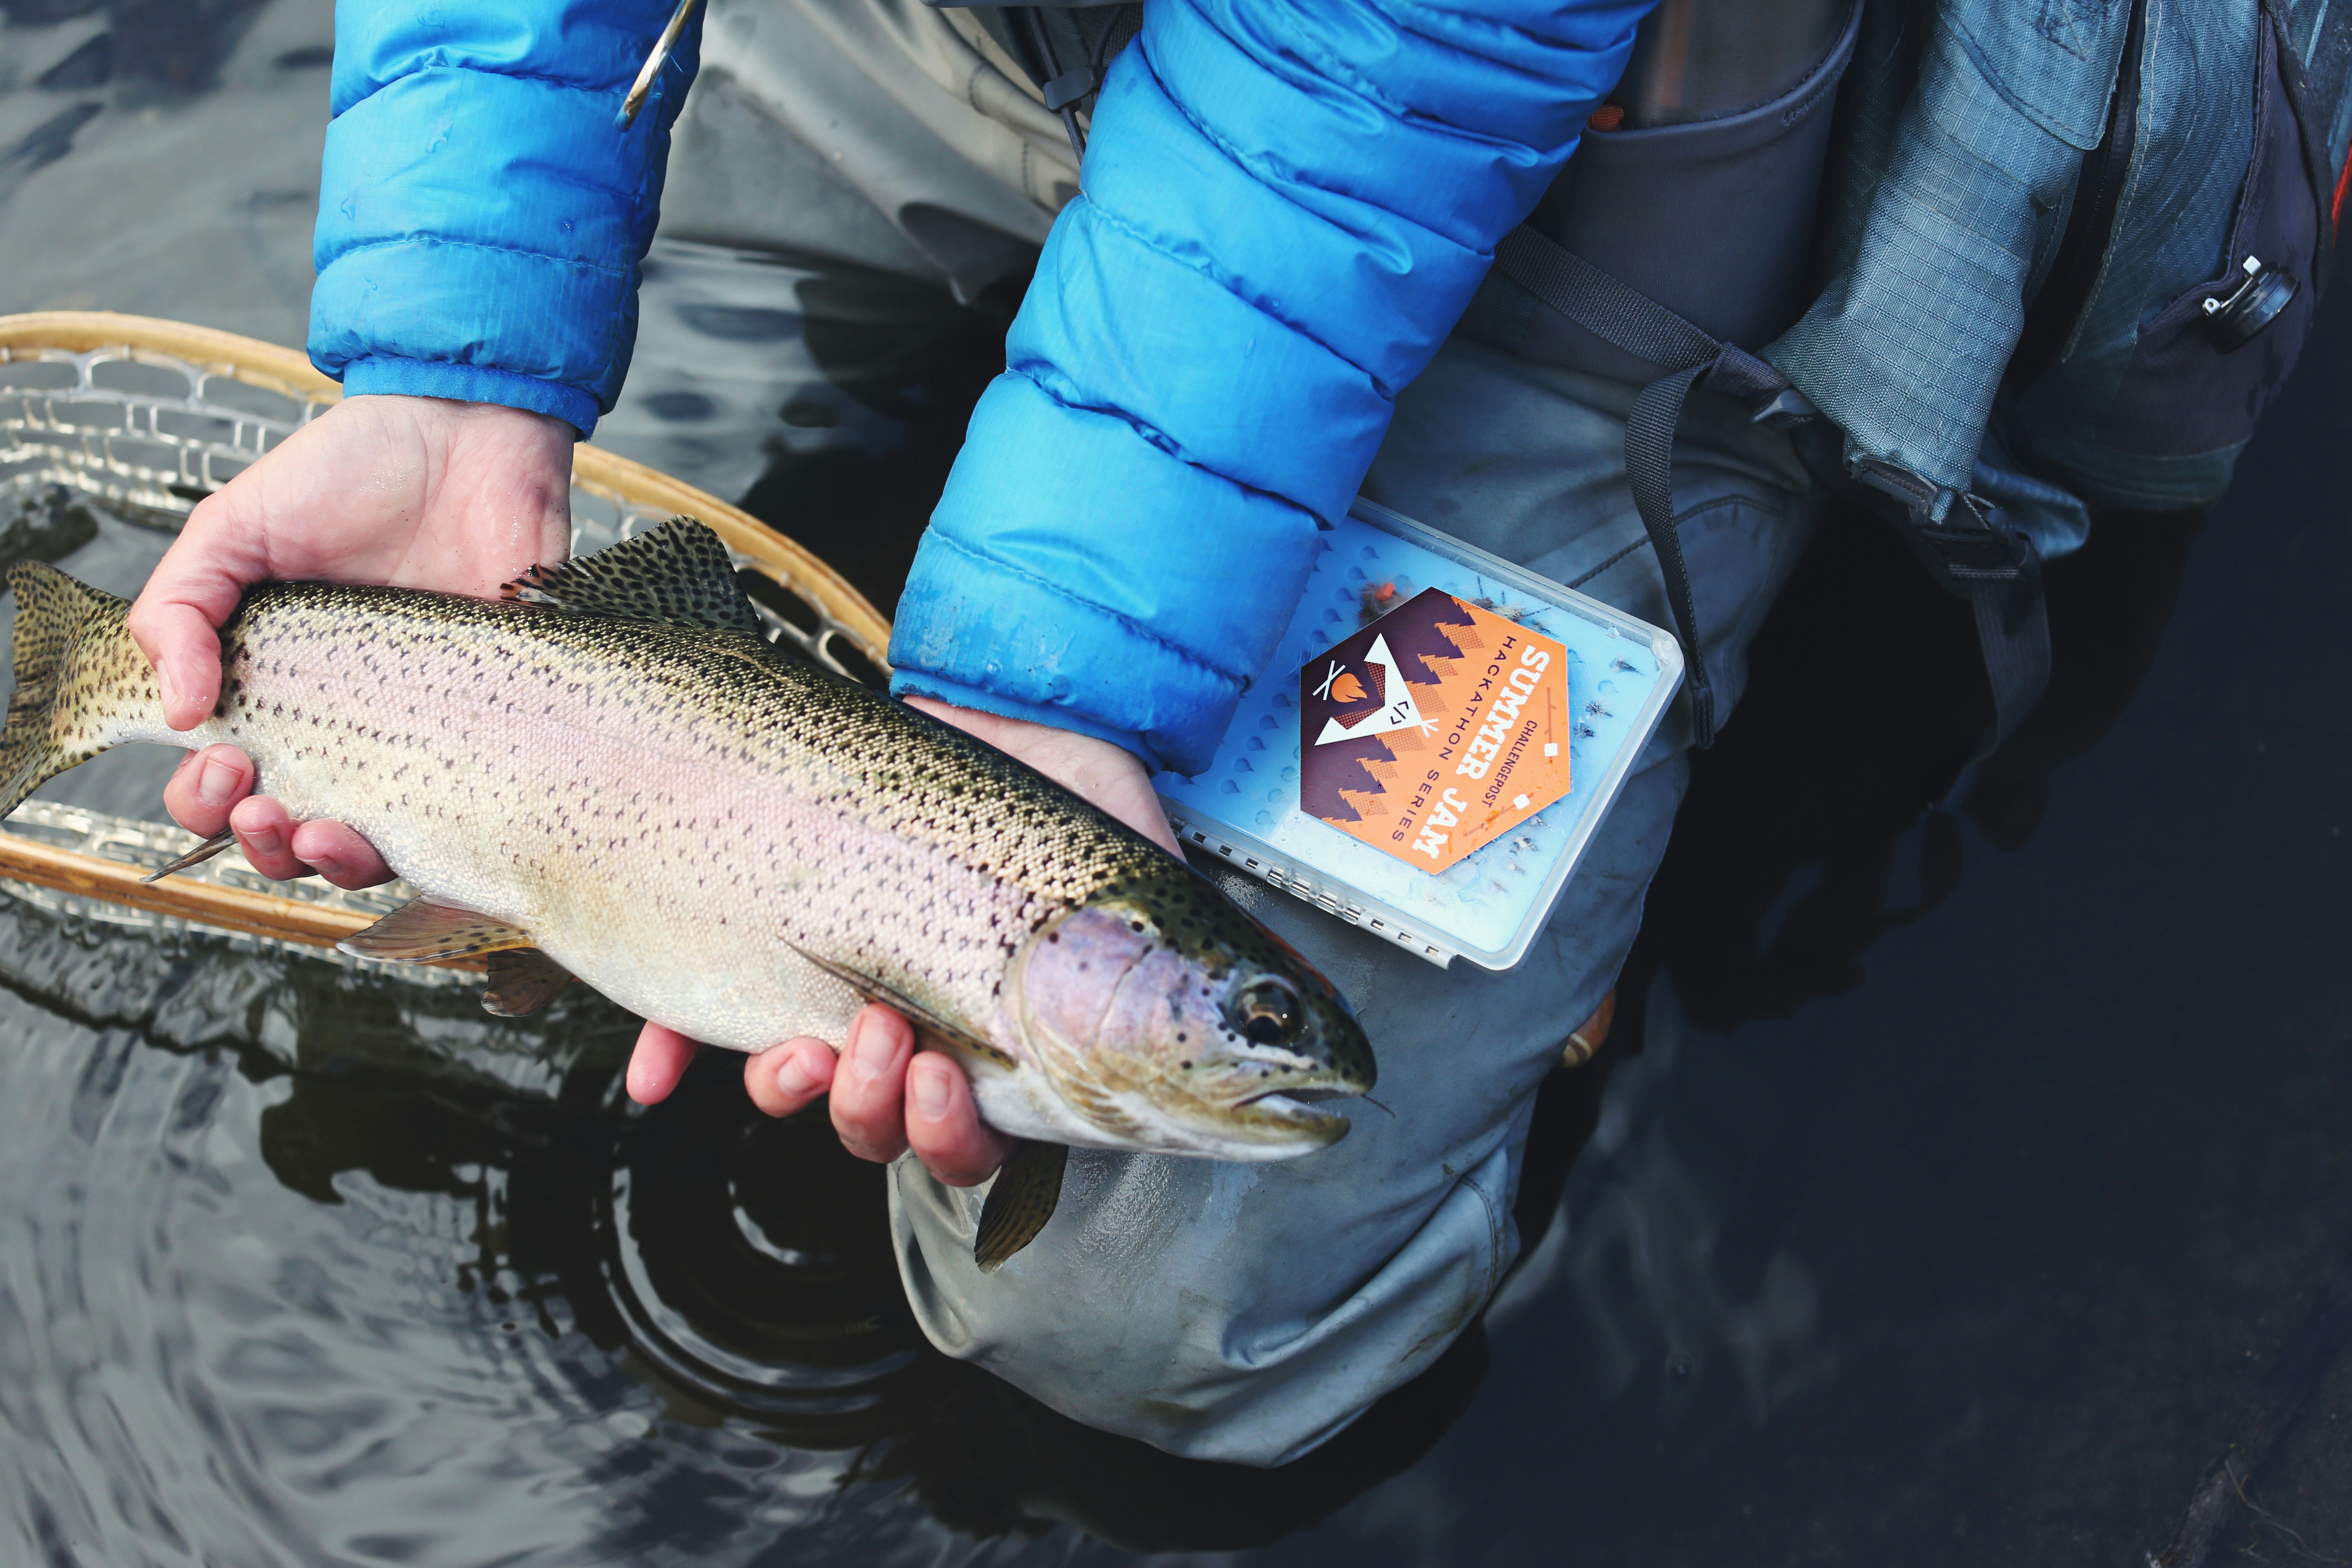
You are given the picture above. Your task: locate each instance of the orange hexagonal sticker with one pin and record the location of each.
(1433, 730)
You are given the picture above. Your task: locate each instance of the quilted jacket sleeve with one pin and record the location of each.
(1285, 209)
(480, 218)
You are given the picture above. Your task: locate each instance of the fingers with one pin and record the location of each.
(214, 789)
(886, 1097)
(265, 832)
(784, 1078)
(417, 493)
(339, 855)
(657, 1063)
(209, 783)
(1110, 776)
(869, 1085)
(943, 1123)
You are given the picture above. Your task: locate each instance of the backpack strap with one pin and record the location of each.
(1964, 539)
(1631, 320)
(1972, 550)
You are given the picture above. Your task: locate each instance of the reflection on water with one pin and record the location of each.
(1949, 1183)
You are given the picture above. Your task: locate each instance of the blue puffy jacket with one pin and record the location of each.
(1286, 208)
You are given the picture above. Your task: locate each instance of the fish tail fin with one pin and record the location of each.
(80, 681)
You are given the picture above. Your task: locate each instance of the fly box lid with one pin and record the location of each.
(1434, 743)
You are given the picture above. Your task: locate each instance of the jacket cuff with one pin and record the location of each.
(1081, 575)
(470, 383)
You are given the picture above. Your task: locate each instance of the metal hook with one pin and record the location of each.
(653, 62)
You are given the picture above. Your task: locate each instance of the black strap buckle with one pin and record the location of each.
(1964, 536)
(1984, 549)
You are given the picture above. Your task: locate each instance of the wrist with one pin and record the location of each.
(1101, 771)
(446, 381)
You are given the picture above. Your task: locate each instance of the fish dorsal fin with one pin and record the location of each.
(522, 981)
(425, 930)
(956, 1039)
(1027, 1189)
(679, 574)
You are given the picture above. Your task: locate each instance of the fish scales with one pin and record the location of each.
(609, 775)
(688, 799)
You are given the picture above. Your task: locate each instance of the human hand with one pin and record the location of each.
(407, 492)
(887, 1096)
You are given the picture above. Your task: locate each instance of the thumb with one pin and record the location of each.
(186, 651)
(194, 590)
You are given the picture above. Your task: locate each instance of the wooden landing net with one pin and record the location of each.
(148, 417)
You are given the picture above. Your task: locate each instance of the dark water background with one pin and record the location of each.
(1948, 1196)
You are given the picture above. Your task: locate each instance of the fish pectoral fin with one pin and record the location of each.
(522, 981)
(679, 574)
(1027, 1189)
(952, 1037)
(422, 932)
(196, 856)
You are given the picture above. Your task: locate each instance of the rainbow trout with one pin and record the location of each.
(609, 775)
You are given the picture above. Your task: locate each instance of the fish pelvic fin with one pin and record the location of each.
(423, 930)
(82, 685)
(522, 981)
(1026, 1191)
(679, 574)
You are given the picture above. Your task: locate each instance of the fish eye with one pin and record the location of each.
(1268, 1012)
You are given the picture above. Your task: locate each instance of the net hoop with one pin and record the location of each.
(150, 416)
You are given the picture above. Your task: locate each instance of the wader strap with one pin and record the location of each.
(2013, 628)
(1965, 540)
(1972, 551)
(1638, 324)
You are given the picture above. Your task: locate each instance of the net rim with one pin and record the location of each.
(289, 372)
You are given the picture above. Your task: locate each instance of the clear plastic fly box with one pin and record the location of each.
(1435, 742)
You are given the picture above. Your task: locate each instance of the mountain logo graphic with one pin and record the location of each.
(1398, 712)
(1434, 731)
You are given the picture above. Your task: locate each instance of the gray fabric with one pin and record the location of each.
(1235, 1313)
(1711, 218)
(835, 141)
(1905, 347)
(2172, 233)
(1245, 1313)
(880, 132)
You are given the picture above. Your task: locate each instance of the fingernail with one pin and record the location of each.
(871, 1049)
(169, 682)
(794, 1078)
(216, 785)
(930, 1093)
(268, 841)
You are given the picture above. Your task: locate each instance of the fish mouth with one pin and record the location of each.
(1294, 1110)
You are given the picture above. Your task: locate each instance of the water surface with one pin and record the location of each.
(1951, 1187)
